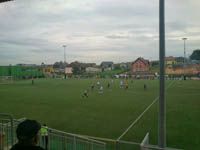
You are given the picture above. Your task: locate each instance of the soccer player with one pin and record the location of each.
(121, 84)
(108, 85)
(92, 86)
(101, 90)
(180, 79)
(126, 85)
(145, 86)
(132, 81)
(32, 81)
(85, 94)
(98, 84)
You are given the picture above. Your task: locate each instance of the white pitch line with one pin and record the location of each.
(140, 116)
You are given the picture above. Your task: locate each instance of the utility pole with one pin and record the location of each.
(162, 103)
(184, 39)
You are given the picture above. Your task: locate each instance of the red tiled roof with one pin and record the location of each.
(142, 59)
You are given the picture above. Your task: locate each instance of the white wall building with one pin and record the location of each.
(68, 70)
(93, 69)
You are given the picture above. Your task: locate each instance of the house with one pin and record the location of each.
(194, 62)
(140, 64)
(68, 70)
(123, 65)
(90, 64)
(48, 70)
(179, 60)
(107, 65)
(59, 71)
(93, 69)
(170, 60)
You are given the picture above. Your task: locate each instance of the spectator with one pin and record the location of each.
(28, 136)
(44, 134)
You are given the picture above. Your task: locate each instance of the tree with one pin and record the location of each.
(117, 67)
(155, 63)
(195, 55)
(60, 65)
(56, 65)
(76, 70)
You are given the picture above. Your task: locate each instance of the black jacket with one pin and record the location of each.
(26, 147)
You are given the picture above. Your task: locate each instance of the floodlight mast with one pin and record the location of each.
(64, 46)
(162, 103)
(184, 39)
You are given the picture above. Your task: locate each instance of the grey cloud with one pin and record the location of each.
(37, 29)
(117, 37)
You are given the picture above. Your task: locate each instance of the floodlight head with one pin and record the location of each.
(184, 39)
(64, 45)
(2, 1)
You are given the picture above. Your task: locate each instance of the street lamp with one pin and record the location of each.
(184, 39)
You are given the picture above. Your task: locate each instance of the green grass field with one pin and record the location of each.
(58, 103)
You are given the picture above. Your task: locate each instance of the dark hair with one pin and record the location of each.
(27, 130)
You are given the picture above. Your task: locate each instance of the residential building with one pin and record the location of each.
(59, 70)
(90, 64)
(48, 70)
(170, 60)
(140, 64)
(123, 65)
(179, 60)
(107, 65)
(68, 70)
(93, 69)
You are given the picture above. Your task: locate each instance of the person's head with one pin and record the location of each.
(28, 132)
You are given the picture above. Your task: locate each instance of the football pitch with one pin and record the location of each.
(59, 104)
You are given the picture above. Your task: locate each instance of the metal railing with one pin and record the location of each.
(6, 131)
(8, 126)
(55, 139)
(112, 144)
(59, 140)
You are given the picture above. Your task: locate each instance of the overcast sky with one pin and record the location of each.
(34, 31)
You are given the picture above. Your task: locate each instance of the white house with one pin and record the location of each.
(93, 69)
(68, 70)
